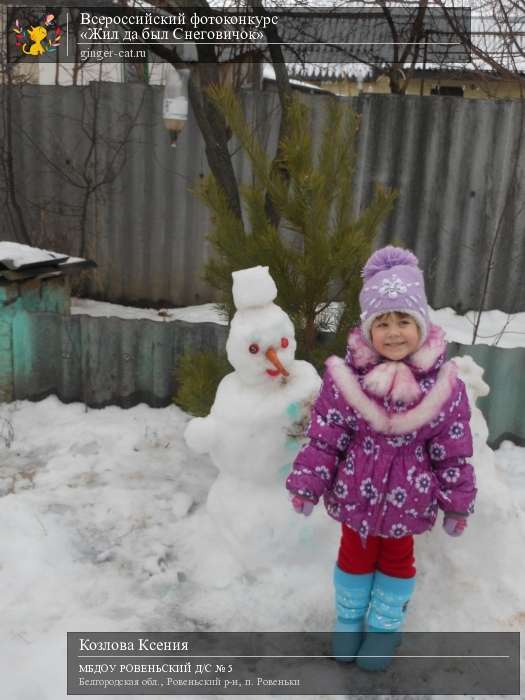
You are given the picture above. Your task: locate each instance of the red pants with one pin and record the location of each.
(393, 557)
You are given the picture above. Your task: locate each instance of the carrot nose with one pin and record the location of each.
(276, 362)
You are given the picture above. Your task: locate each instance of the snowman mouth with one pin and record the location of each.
(276, 362)
(273, 372)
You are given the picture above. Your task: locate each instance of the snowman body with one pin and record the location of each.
(253, 451)
(253, 424)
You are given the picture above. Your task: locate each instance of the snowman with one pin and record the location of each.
(252, 433)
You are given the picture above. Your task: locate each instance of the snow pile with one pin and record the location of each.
(472, 595)
(92, 518)
(495, 327)
(510, 461)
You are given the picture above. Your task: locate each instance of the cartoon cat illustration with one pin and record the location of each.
(37, 35)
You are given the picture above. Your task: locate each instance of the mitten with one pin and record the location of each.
(301, 505)
(454, 524)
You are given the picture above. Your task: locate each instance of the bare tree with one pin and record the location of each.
(85, 168)
(496, 37)
(10, 79)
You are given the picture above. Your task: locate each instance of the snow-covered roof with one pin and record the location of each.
(358, 72)
(20, 257)
(269, 74)
(341, 49)
(17, 255)
(330, 71)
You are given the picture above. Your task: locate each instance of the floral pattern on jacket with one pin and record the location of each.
(389, 442)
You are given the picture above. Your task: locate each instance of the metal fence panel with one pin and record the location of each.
(106, 360)
(101, 360)
(458, 165)
(505, 375)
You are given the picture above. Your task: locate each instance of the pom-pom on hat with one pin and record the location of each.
(393, 282)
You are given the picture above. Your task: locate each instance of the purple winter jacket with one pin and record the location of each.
(389, 441)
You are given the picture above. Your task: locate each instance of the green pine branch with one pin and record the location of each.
(317, 255)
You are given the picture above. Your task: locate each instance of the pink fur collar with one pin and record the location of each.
(393, 379)
(376, 416)
(363, 354)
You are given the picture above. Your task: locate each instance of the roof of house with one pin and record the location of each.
(268, 74)
(358, 72)
(503, 43)
(19, 261)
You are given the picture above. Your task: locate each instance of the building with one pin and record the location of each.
(355, 79)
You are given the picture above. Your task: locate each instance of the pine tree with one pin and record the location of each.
(317, 255)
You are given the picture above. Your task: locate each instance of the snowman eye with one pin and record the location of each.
(284, 342)
(254, 348)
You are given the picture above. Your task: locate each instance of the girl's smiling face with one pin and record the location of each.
(395, 335)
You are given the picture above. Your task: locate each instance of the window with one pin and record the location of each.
(450, 90)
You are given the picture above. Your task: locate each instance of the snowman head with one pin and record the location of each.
(261, 344)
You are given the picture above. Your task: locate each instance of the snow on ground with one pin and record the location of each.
(510, 460)
(496, 327)
(203, 313)
(105, 529)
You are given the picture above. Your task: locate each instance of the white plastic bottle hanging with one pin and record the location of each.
(175, 104)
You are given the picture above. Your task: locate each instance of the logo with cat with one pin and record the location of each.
(36, 41)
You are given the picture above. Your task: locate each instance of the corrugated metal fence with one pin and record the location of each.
(102, 361)
(458, 166)
(505, 374)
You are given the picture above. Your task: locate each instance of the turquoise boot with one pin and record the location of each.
(352, 596)
(389, 600)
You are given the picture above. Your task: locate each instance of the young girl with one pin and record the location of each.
(389, 442)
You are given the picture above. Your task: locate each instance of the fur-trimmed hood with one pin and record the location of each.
(395, 397)
(361, 356)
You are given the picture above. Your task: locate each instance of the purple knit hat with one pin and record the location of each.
(393, 282)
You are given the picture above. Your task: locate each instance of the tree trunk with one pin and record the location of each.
(13, 206)
(310, 336)
(214, 131)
